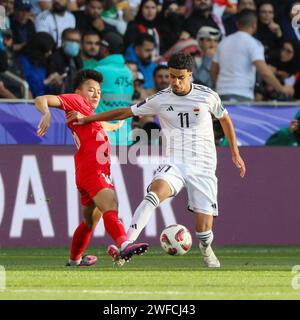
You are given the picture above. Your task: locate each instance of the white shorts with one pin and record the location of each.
(201, 188)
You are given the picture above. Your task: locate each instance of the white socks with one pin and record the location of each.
(142, 215)
(205, 237)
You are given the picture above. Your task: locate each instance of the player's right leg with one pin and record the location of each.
(159, 190)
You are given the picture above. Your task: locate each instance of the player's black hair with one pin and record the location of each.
(85, 75)
(158, 68)
(181, 61)
(246, 18)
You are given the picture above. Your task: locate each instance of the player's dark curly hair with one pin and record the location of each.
(85, 75)
(181, 61)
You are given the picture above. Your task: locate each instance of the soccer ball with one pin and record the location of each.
(176, 240)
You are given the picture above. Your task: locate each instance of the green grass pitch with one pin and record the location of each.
(246, 273)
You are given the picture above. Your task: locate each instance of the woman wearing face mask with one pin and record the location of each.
(170, 24)
(66, 61)
(34, 61)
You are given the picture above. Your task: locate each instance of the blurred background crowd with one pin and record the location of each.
(45, 42)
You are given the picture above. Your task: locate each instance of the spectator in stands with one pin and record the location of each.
(280, 6)
(55, 21)
(4, 92)
(90, 19)
(66, 61)
(268, 31)
(286, 68)
(8, 5)
(187, 46)
(238, 58)
(142, 52)
(290, 30)
(225, 7)
(144, 22)
(34, 60)
(202, 15)
(138, 82)
(170, 25)
(287, 136)
(90, 46)
(117, 85)
(40, 5)
(208, 39)
(13, 65)
(230, 23)
(21, 25)
(117, 14)
(161, 77)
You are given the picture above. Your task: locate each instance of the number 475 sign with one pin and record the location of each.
(296, 16)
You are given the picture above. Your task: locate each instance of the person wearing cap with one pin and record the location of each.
(208, 39)
(22, 26)
(287, 136)
(117, 86)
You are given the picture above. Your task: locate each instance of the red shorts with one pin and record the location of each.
(89, 185)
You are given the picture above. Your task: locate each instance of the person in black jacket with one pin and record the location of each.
(66, 61)
(90, 20)
(268, 31)
(21, 25)
(201, 15)
(170, 25)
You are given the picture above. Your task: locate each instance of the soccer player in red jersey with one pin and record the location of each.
(92, 164)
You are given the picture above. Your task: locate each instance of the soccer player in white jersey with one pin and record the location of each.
(184, 111)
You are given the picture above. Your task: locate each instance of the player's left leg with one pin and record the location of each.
(204, 226)
(202, 194)
(82, 236)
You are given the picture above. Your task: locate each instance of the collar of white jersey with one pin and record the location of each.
(185, 95)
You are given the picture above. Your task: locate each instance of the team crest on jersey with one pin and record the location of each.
(196, 110)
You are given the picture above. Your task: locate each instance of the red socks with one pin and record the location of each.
(114, 227)
(81, 239)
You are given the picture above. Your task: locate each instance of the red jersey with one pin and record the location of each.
(90, 139)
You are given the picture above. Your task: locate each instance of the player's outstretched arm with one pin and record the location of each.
(116, 114)
(229, 132)
(42, 104)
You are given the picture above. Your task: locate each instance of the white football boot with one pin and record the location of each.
(210, 259)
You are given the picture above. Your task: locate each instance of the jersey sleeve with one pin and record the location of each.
(70, 102)
(145, 107)
(216, 107)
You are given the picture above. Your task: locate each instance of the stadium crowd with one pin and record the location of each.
(46, 42)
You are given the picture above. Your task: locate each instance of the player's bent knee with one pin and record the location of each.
(161, 189)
